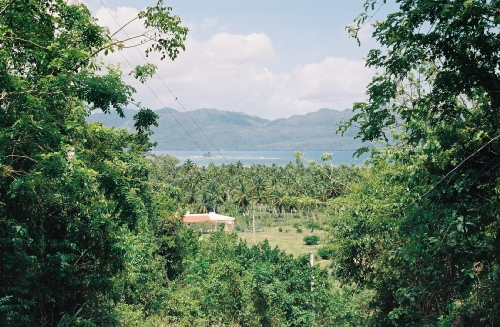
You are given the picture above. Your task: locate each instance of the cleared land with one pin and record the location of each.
(287, 240)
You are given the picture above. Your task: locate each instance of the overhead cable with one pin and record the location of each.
(173, 95)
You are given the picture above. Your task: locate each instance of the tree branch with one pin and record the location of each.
(123, 26)
(6, 7)
(24, 40)
(117, 42)
(136, 45)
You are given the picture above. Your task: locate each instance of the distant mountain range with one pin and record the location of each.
(238, 131)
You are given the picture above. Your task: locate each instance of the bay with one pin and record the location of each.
(248, 158)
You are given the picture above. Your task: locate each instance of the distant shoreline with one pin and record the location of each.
(212, 152)
(263, 157)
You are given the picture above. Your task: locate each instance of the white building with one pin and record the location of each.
(209, 218)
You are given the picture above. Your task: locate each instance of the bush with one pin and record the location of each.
(280, 229)
(325, 252)
(311, 239)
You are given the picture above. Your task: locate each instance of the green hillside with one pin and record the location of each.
(238, 131)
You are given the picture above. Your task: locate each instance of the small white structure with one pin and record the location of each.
(209, 218)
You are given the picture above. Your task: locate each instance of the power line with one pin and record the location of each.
(176, 99)
(370, 17)
(173, 95)
(192, 138)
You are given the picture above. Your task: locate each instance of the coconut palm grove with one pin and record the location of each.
(91, 230)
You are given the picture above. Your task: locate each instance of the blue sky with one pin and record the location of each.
(271, 58)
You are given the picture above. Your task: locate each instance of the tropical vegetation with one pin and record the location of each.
(90, 220)
(73, 196)
(422, 230)
(243, 191)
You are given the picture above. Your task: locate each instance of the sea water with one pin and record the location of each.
(248, 158)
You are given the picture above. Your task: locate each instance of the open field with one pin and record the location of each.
(288, 240)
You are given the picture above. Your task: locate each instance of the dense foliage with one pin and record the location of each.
(423, 229)
(70, 192)
(227, 283)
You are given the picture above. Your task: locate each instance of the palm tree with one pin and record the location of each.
(241, 195)
(203, 202)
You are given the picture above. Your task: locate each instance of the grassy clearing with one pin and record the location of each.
(287, 240)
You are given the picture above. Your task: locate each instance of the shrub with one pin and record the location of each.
(325, 252)
(299, 230)
(311, 239)
(280, 229)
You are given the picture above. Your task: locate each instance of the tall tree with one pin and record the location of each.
(438, 89)
(67, 188)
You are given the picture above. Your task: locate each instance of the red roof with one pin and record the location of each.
(191, 218)
(202, 217)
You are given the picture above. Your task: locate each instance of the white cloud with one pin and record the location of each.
(190, 26)
(239, 49)
(117, 18)
(233, 72)
(209, 22)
